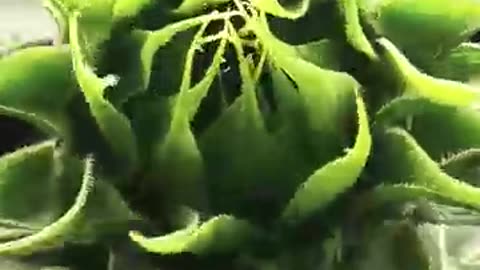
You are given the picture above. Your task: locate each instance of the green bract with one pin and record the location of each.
(202, 128)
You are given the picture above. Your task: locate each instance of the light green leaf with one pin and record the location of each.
(416, 83)
(242, 169)
(293, 11)
(220, 234)
(305, 131)
(324, 185)
(26, 76)
(115, 126)
(56, 232)
(353, 29)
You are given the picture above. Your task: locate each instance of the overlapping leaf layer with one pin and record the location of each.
(247, 134)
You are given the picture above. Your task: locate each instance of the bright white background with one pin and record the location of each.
(24, 20)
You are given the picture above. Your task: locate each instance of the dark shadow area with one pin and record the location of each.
(16, 134)
(475, 37)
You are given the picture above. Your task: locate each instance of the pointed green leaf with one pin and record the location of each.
(220, 234)
(304, 134)
(178, 156)
(55, 232)
(242, 168)
(324, 185)
(416, 83)
(157, 39)
(26, 76)
(115, 127)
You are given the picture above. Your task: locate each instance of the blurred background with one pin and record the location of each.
(24, 21)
